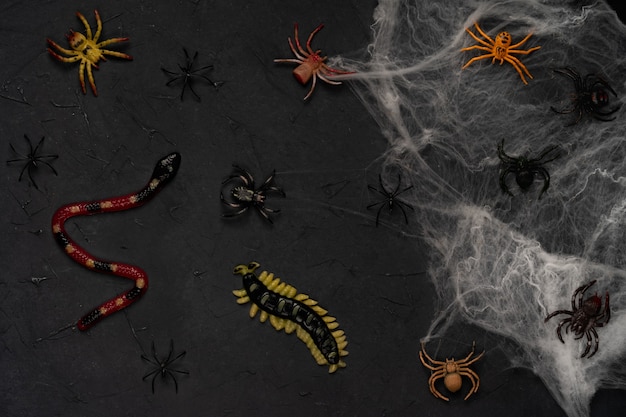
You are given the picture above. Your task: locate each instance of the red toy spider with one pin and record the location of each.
(311, 64)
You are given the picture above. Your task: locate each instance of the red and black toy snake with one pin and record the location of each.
(164, 172)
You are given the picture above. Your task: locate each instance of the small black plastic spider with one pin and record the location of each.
(585, 316)
(187, 74)
(32, 159)
(246, 195)
(162, 366)
(525, 169)
(391, 198)
(591, 96)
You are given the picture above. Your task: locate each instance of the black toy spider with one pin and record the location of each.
(525, 168)
(585, 317)
(187, 73)
(162, 366)
(591, 96)
(246, 195)
(391, 198)
(33, 159)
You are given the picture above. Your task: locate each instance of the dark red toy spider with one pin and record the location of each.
(584, 317)
(246, 195)
(591, 96)
(310, 63)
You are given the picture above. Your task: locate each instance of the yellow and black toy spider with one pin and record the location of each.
(500, 49)
(87, 50)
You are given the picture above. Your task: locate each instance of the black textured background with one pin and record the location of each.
(324, 242)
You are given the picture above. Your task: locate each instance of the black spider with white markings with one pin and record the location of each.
(33, 159)
(163, 366)
(591, 97)
(246, 195)
(391, 198)
(525, 169)
(585, 316)
(187, 74)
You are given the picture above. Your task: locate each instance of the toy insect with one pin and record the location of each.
(525, 169)
(187, 74)
(87, 50)
(287, 310)
(310, 63)
(163, 173)
(585, 316)
(500, 49)
(246, 195)
(163, 366)
(452, 372)
(591, 96)
(390, 199)
(33, 159)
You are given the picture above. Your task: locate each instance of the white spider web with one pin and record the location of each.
(499, 262)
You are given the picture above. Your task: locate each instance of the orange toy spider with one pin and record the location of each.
(311, 63)
(452, 372)
(87, 50)
(500, 49)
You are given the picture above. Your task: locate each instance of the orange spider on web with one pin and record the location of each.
(500, 49)
(87, 50)
(311, 64)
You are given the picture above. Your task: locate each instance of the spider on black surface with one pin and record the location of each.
(32, 159)
(246, 195)
(187, 74)
(391, 198)
(585, 316)
(591, 96)
(525, 169)
(163, 366)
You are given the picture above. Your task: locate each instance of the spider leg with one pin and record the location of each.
(475, 380)
(75, 56)
(429, 358)
(236, 213)
(92, 82)
(517, 64)
(86, 24)
(546, 179)
(523, 41)
(597, 342)
(431, 384)
(477, 58)
(115, 53)
(308, 42)
(503, 156)
(606, 314)
(465, 362)
(312, 87)
(483, 34)
(326, 80)
(291, 60)
(298, 46)
(482, 48)
(588, 346)
(503, 175)
(99, 26)
(399, 204)
(558, 329)
(579, 294)
(265, 212)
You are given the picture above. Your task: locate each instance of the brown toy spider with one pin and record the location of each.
(87, 50)
(500, 49)
(452, 372)
(311, 64)
(584, 317)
